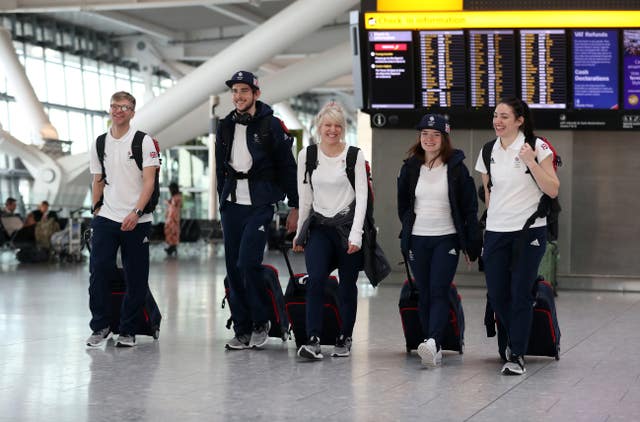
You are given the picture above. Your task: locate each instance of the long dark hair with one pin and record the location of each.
(174, 188)
(521, 109)
(445, 153)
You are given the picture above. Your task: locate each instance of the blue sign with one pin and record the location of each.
(595, 64)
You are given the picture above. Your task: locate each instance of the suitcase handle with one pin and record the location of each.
(408, 270)
(284, 248)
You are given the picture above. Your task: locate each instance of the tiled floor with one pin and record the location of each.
(47, 374)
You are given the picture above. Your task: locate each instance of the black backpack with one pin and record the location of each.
(136, 150)
(547, 207)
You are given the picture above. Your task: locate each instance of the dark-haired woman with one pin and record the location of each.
(172, 220)
(511, 257)
(438, 209)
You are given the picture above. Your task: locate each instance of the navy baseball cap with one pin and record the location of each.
(242, 76)
(434, 121)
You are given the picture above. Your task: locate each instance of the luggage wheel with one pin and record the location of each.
(156, 334)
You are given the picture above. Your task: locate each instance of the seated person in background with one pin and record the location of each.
(9, 209)
(10, 222)
(41, 212)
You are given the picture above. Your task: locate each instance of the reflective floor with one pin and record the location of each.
(47, 374)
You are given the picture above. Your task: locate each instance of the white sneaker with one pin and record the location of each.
(515, 366)
(260, 335)
(430, 354)
(126, 340)
(99, 337)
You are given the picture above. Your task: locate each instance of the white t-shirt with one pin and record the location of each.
(514, 194)
(241, 161)
(332, 191)
(432, 207)
(124, 178)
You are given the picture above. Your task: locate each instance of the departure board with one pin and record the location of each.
(492, 66)
(391, 69)
(442, 68)
(543, 68)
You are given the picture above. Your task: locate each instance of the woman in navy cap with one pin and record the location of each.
(438, 209)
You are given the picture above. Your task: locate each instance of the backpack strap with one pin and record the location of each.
(136, 147)
(264, 132)
(100, 141)
(486, 158)
(311, 164)
(352, 156)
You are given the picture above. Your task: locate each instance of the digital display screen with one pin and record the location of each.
(442, 68)
(390, 55)
(631, 69)
(577, 78)
(595, 69)
(543, 68)
(492, 66)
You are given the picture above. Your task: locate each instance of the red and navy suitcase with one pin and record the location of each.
(453, 338)
(272, 298)
(148, 318)
(544, 339)
(295, 298)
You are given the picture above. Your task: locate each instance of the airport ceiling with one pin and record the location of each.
(187, 31)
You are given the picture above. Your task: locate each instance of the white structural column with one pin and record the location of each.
(25, 96)
(282, 30)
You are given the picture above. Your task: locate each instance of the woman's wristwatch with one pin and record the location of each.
(138, 212)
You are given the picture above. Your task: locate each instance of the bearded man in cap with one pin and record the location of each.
(255, 169)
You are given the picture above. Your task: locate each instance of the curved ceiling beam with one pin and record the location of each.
(253, 49)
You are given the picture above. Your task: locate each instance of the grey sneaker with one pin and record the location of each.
(238, 342)
(342, 349)
(429, 353)
(98, 338)
(260, 335)
(311, 350)
(515, 366)
(126, 340)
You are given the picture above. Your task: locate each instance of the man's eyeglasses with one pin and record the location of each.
(123, 108)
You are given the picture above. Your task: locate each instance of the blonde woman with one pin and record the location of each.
(331, 217)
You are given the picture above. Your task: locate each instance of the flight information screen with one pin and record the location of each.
(442, 68)
(390, 56)
(492, 66)
(543, 68)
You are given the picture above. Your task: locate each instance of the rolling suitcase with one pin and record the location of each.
(149, 317)
(272, 298)
(295, 299)
(453, 338)
(544, 338)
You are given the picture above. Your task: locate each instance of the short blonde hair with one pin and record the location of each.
(123, 95)
(333, 112)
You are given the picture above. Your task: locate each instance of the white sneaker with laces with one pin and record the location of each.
(431, 356)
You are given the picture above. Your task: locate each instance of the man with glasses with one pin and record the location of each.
(255, 169)
(120, 193)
